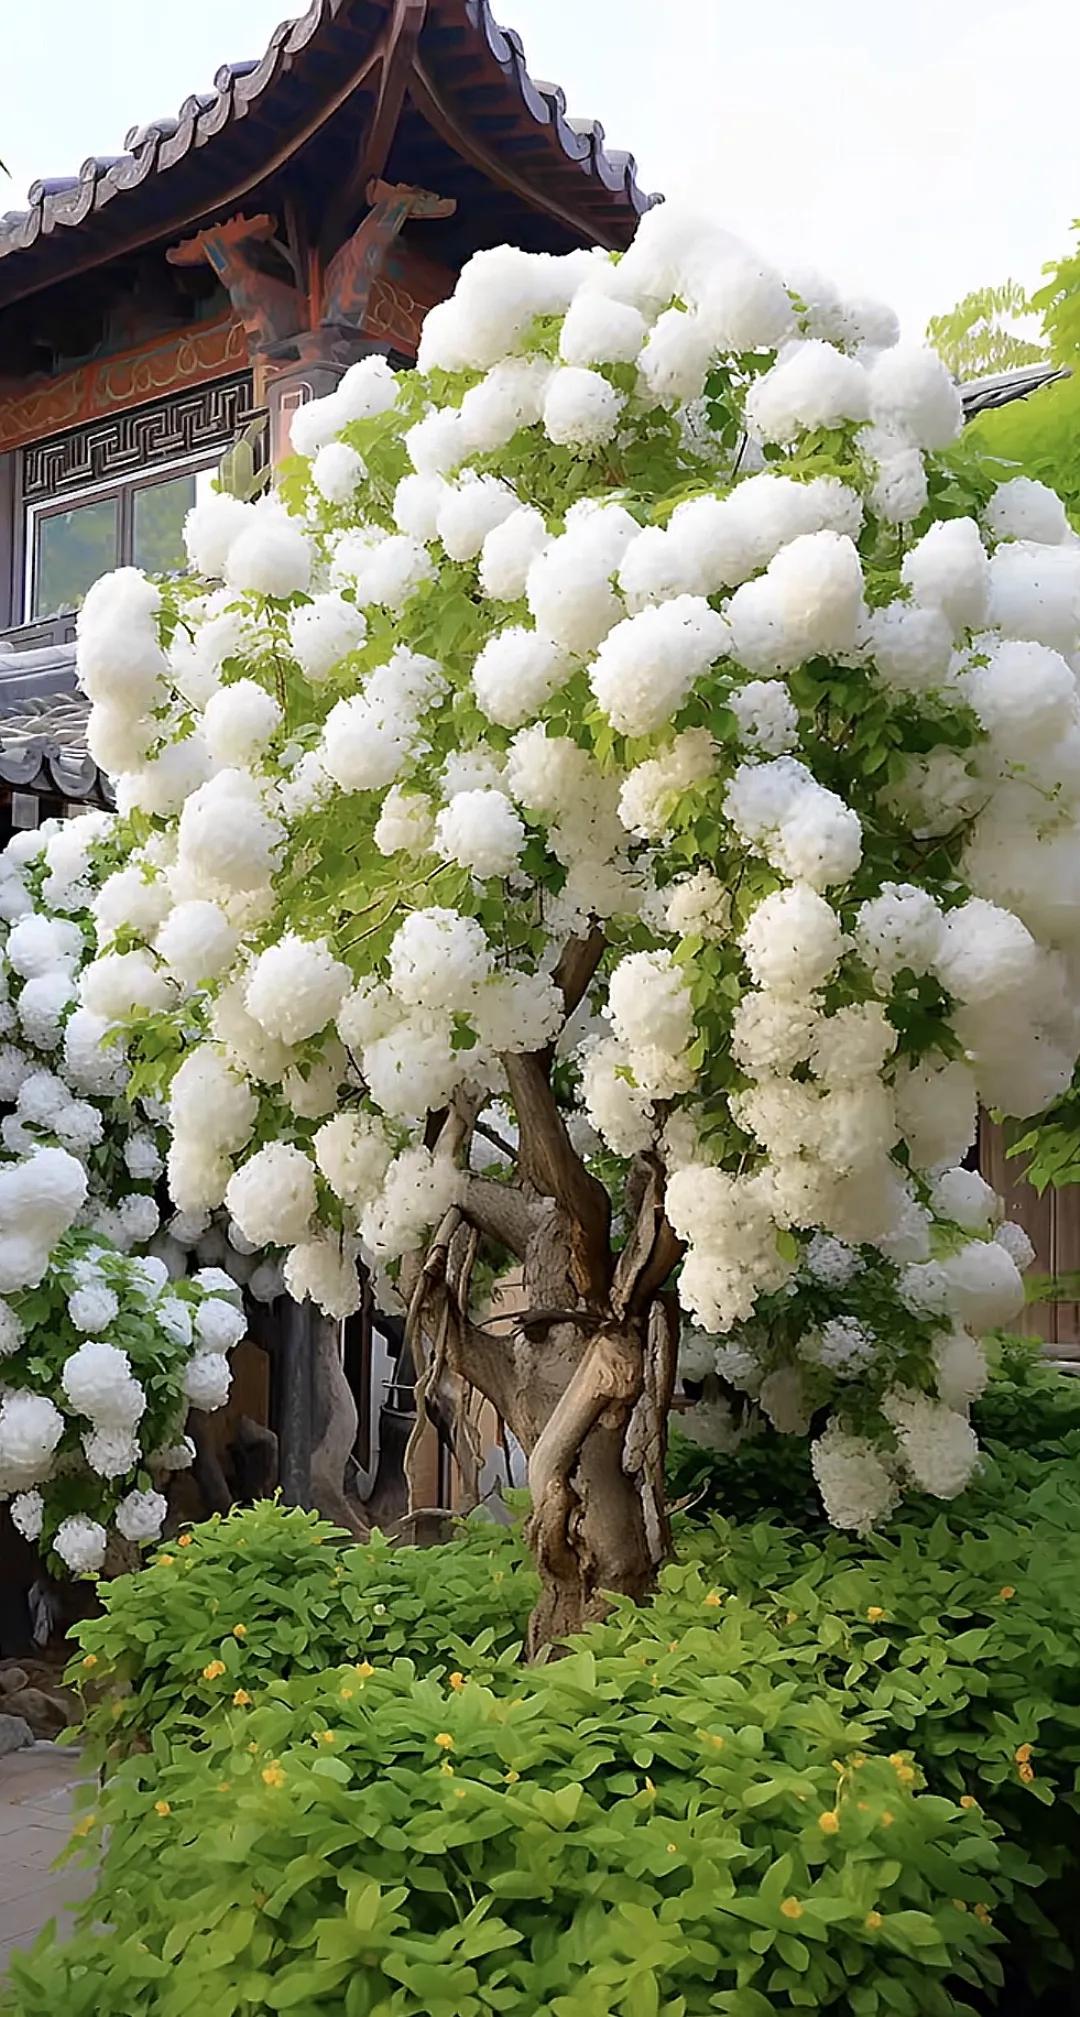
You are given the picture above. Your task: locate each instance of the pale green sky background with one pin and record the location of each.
(912, 149)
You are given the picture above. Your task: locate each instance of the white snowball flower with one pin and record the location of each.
(947, 569)
(80, 1543)
(196, 941)
(337, 472)
(210, 528)
(98, 1382)
(648, 664)
(30, 1429)
(856, 1484)
(219, 1325)
(296, 987)
(325, 1270)
(911, 391)
(437, 958)
(481, 832)
(93, 1309)
(207, 1380)
(581, 408)
(239, 721)
(28, 1514)
(272, 1196)
(271, 556)
(1023, 508)
(792, 941)
(140, 1516)
(323, 632)
(515, 673)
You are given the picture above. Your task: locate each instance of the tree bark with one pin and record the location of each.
(596, 1473)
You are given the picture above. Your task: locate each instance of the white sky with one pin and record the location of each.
(911, 148)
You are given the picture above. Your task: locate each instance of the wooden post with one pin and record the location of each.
(293, 1358)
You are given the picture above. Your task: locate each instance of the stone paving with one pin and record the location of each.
(36, 1789)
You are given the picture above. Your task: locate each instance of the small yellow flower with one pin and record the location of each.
(346, 1694)
(982, 1914)
(241, 1699)
(791, 1908)
(1022, 1753)
(873, 1921)
(253, 1748)
(511, 1777)
(713, 1599)
(364, 1668)
(887, 1818)
(326, 1737)
(829, 1822)
(457, 1681)
(273, 1774)
(239, 1631)
(673, 1645)
(896, 1759)
(1026, 1773)
(968, 1800)
(224, 1785)
(444, 1741)
(215, 1668)
(162, 1807)
(906, 1774)
(460, 1792)
(874, 1613)
(185, 1541)
(673, 1848)
(1007, 1590)
(165, 1561)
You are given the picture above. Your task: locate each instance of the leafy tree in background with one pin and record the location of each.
(974, 338)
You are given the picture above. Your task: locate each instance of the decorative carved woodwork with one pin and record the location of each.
(208, 351)
(270, 309)
(355, 267)
(284, 323)
(206, 417)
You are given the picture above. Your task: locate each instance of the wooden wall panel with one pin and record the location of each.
(1051, 1222)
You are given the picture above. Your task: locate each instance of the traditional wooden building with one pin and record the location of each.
(233, 260)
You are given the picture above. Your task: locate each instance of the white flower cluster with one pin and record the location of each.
(79, 1216)
(539, 668)
(86, 1448)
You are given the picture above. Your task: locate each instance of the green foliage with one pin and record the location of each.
(621, 1831)
(270, 1592)
(974, 340)
(644, 1827)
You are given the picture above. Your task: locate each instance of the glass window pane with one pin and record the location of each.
(73, 548)
(159, 511)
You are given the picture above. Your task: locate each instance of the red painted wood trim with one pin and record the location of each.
(130, 378)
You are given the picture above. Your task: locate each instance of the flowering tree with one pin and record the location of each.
(101, 1352)
(642, 746)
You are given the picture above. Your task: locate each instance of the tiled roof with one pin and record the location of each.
(1002, 387)
(119, 195)
(43, 726)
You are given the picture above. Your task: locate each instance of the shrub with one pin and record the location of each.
(641, 1828)
(945, 1650)
(268, 1592)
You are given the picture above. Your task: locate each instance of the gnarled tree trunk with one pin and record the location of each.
(583, 1370)
(596, 1473)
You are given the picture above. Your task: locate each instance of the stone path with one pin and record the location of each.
(36, 1788)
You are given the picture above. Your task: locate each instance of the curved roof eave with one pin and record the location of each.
(226, 142)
